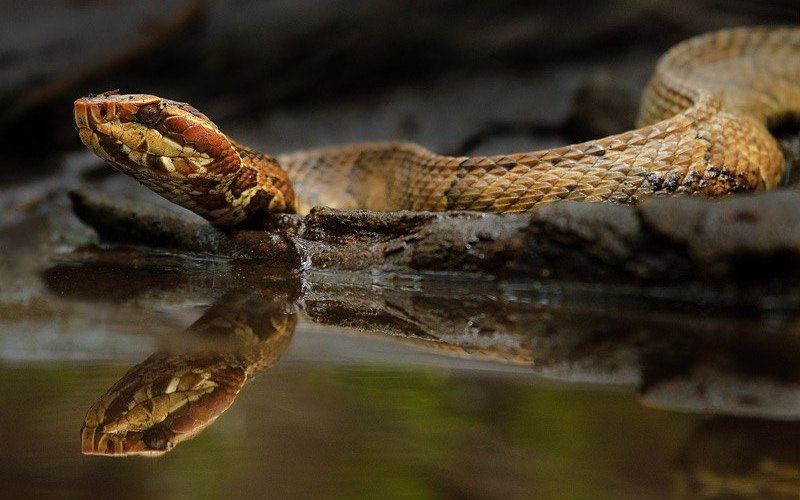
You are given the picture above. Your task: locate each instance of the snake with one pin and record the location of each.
(703, 128)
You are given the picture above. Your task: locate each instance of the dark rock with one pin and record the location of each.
(663, 240)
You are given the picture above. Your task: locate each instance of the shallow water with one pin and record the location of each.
(326, 430)
(394, 387)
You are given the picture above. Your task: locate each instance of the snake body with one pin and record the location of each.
(703, 129)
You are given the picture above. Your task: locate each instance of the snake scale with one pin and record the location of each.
(703, 128)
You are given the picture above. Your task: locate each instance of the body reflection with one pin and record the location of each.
(172, 396)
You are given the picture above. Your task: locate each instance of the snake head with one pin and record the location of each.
(172, 396)
(159, 403)
(179, 153)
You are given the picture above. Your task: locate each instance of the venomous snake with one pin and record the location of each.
(704, 128)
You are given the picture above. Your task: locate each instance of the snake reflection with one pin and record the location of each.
(171, 397)
(679, 361)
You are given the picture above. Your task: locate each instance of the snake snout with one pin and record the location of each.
(109, 106)
(96, 442)
(89, 112)
(81, 114)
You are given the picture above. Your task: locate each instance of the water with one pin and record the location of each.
(353, 430)
(381, 386)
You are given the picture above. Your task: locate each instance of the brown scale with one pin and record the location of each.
(704, 118)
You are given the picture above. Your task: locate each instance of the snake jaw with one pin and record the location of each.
(151, 443)
(176, 151)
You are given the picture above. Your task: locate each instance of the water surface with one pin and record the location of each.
(401, 388)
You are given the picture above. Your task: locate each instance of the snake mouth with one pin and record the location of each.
(151, 443)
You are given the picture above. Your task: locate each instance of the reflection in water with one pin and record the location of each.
(730, 365)
(680, 359)
(171, 397)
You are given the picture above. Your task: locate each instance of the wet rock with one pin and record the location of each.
(588, 241)
(733, 241)
(765, 225)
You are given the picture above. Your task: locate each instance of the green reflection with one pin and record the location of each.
(454, 434)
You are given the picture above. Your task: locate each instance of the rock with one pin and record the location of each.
(749, 240)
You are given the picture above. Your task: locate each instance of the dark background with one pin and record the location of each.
(245, 62)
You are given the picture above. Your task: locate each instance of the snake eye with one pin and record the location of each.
(148, 113)
(155, 439)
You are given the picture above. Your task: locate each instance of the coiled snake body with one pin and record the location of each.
(704, 125)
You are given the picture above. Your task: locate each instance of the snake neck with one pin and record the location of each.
(260, 187)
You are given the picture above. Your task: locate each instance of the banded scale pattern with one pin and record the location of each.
(703, 120)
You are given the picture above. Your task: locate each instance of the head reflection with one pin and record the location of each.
(171, 397)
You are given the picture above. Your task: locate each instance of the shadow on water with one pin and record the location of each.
(735, 372)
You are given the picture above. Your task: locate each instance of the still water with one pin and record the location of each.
(340, 386)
